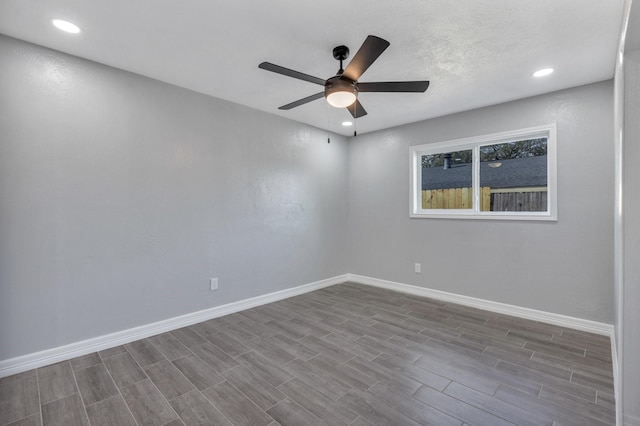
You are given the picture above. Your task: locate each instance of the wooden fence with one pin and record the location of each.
(519, 201)
(490, 200)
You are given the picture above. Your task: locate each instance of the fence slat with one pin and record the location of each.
(466, 198)
(485, 196)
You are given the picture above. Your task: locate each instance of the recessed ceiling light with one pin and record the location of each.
(66, 26)
(347, 123)
(543, 72)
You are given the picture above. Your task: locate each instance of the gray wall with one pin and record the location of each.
(120, 197)
(631, 220)
(564, 267)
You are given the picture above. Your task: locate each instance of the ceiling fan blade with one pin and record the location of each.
(302, 101)
(356, 109)
(291, 73)
(394, 86)
(369, 51)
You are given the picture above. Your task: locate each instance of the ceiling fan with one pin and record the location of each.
(341, 90)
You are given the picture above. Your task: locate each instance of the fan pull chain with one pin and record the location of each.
(327, 116)
(355, 127)
(355, 119)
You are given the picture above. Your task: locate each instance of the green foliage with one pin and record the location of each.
(495, 152)
(437, 160)
(519, 149)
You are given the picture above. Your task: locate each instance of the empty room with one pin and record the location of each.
(320, 213)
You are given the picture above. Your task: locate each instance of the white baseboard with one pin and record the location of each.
(617, 383)
(62, 353)
(488, 305)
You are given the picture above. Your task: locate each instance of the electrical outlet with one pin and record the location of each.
(214, 284)
(418, 268)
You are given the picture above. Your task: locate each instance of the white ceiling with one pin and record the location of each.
(475, 53)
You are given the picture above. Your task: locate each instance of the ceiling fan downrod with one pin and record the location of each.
(340, 53)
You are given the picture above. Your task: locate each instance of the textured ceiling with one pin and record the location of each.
(475, 53)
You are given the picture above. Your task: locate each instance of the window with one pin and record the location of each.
(509, 175)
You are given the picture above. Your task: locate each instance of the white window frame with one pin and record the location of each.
(474, 143)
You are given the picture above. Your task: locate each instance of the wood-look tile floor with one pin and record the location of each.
(344, 355)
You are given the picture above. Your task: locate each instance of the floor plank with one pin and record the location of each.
(169, 346)
(109, 412)
(32, 420)
(19, 398)
(168, 379)
(56, 381)
(144, 352)
(235, 406)
(289, 413)
(317, 403)
(198, 372)
(67, 411)
(249, 382)
(194, 409)
(124, 370)
(422, 413)
(85, 361)
(147, 404)
(95, 384)
(457, 408)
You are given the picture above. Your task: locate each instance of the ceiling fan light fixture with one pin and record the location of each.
(340, 93)
(341, 99)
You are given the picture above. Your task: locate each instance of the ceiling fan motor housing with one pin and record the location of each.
(340, 91)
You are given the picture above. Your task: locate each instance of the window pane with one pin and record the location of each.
(513, 176)
(446, 180)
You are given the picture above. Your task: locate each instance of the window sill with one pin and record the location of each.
(489, 216)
